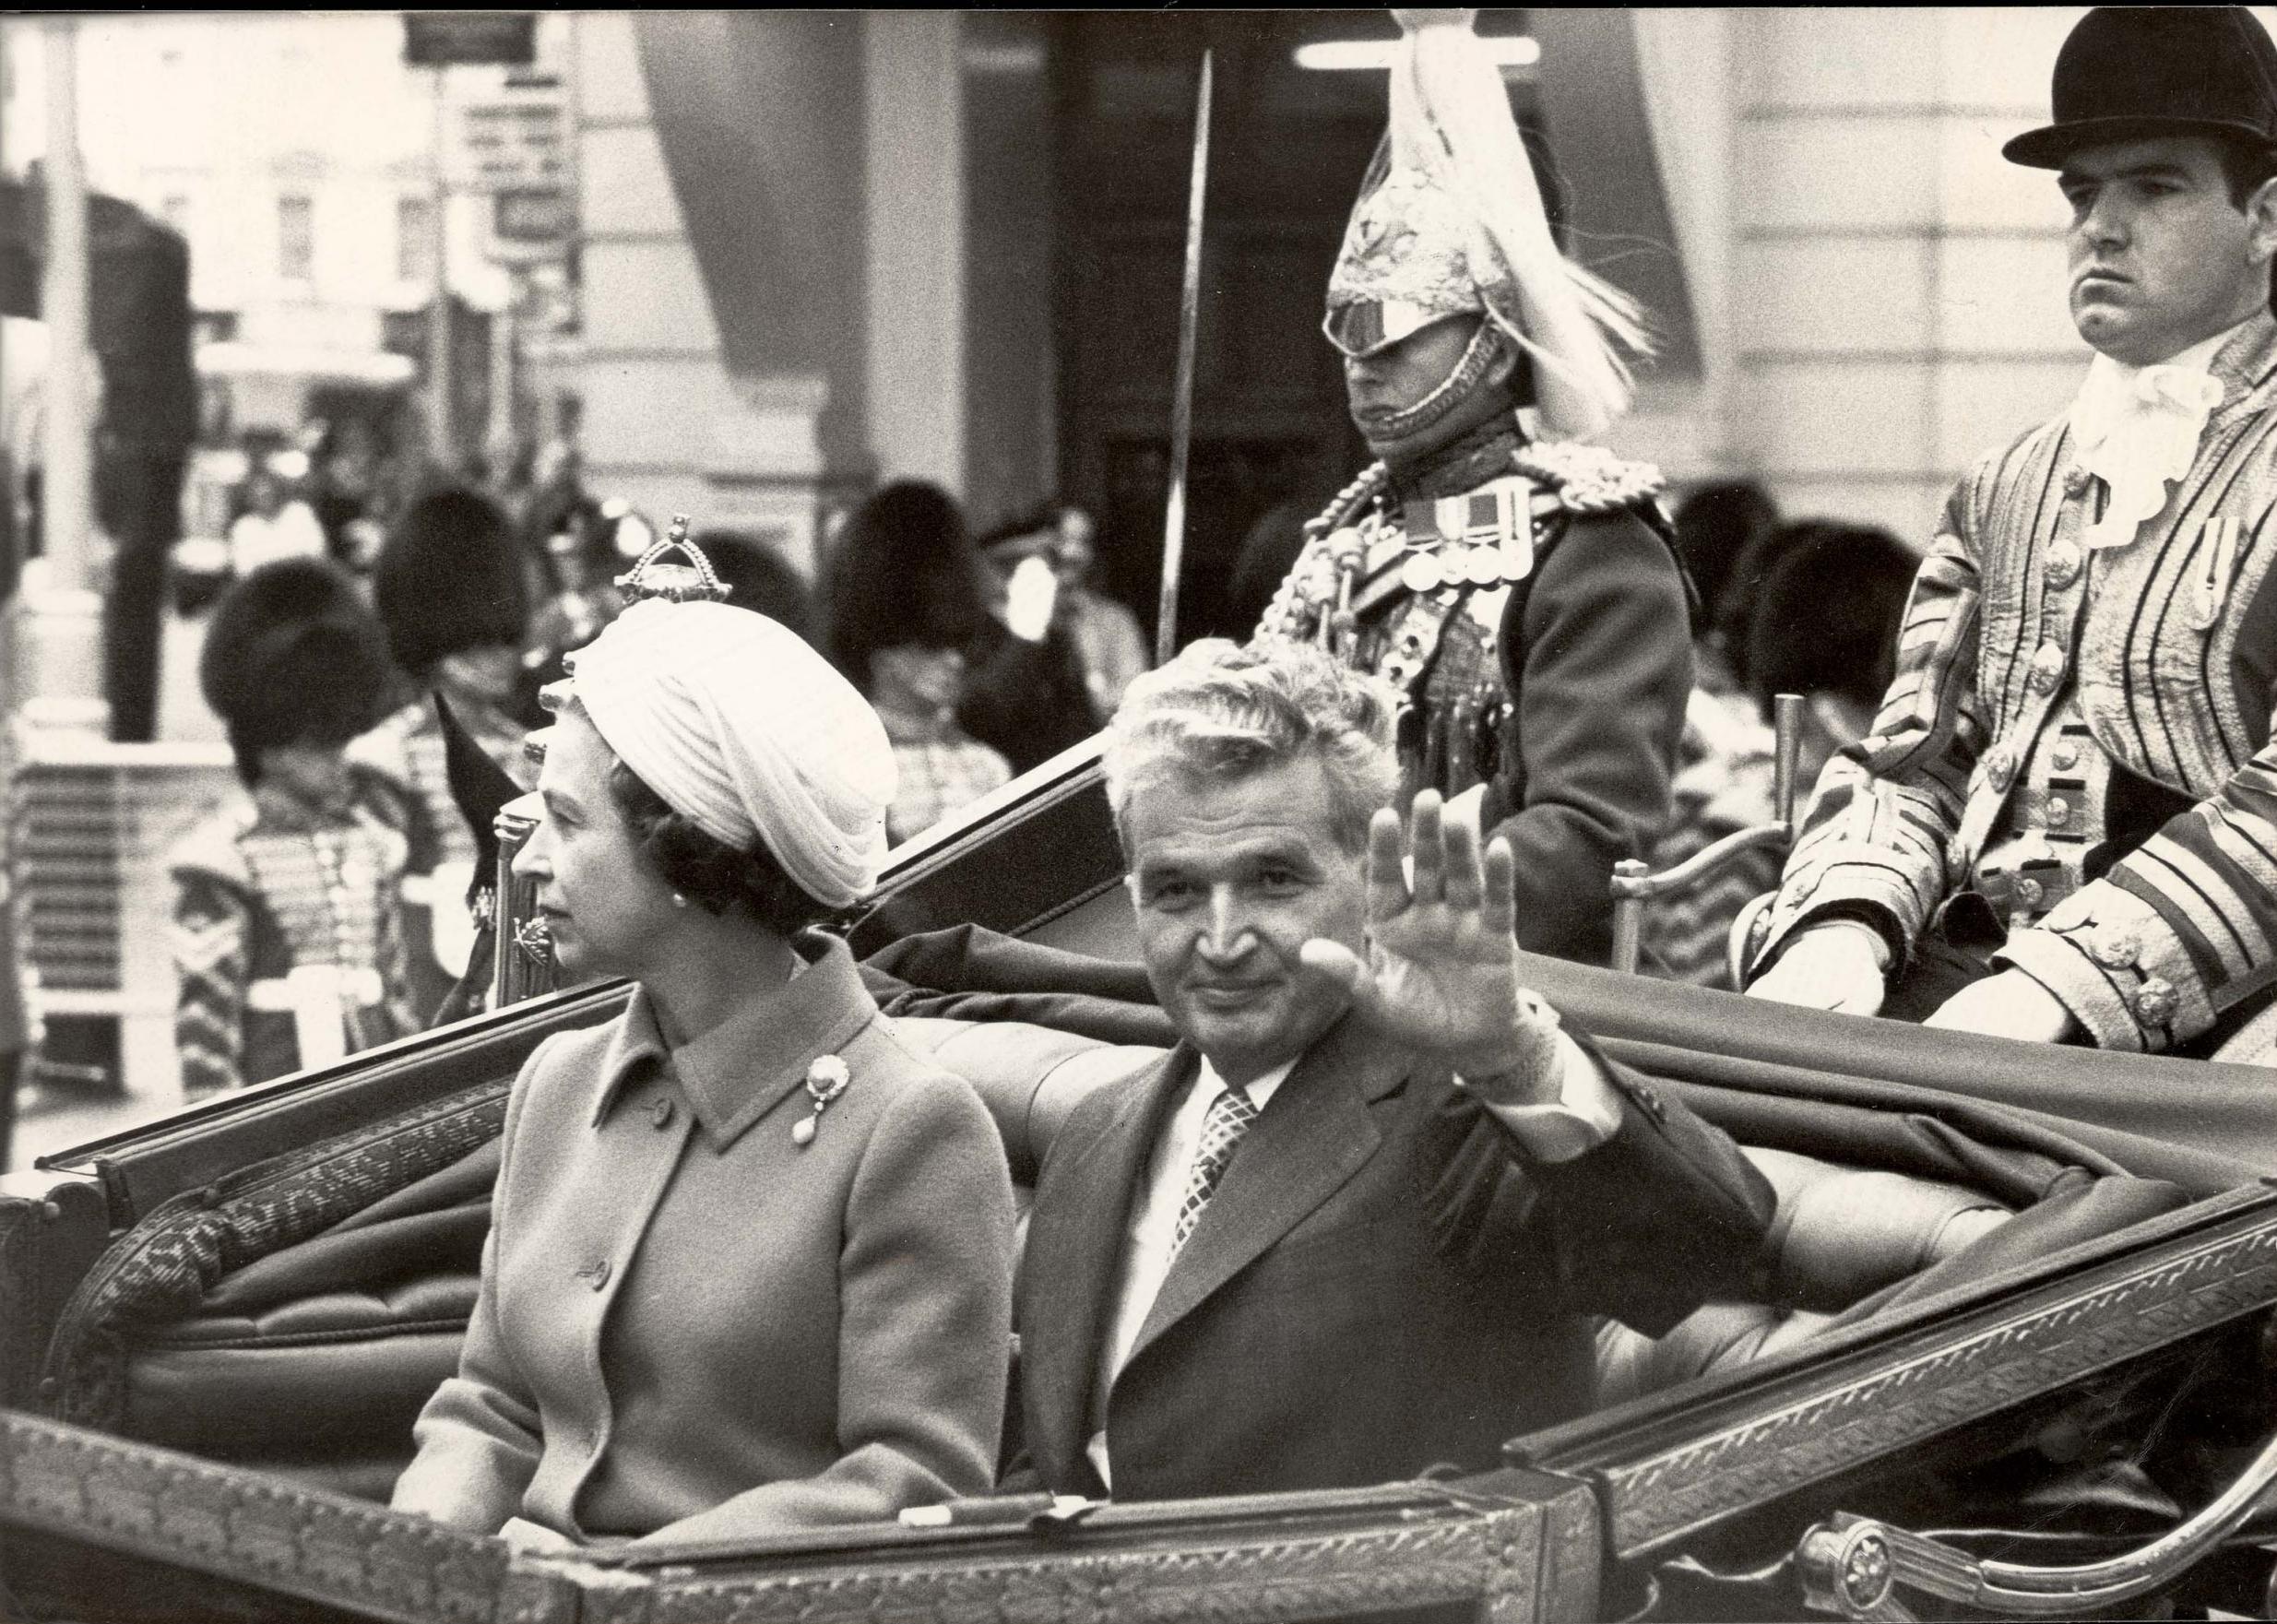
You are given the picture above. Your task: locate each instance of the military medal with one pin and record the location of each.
(1421, 572)
(1482, 566)
(825, 1079)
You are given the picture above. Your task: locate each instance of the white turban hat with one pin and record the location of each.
(747, 732)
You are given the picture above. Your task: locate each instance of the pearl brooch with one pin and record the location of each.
(826, 1078)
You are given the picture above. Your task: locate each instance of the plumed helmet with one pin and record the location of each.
(292, 657)
(450, 578)
(1450, 222)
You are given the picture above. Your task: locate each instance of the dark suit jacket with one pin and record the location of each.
(1381, 1284)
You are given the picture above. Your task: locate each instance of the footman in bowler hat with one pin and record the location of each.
(2063, 825)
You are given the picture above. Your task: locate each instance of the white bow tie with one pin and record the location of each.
(2137, 429)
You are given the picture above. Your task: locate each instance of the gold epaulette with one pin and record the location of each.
(1349, 502)
(1589, 479)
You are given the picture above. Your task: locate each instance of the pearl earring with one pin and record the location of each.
(677, 900)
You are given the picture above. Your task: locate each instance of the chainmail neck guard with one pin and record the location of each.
(1464, 464)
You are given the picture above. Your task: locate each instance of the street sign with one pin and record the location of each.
(516, 140)
(452, 39)
(528, 214)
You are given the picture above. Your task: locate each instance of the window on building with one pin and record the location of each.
(296, 238)
(415, 227)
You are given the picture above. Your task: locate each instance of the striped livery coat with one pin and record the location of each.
(2162, 652)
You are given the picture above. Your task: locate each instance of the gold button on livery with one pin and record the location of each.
(2064, 757)
(2063, 564)
(2154, 1001)
(2029, 893)
(2076, 480)
(2114, 947)
(2047, 668)
(2058, 812)
(2001, 768)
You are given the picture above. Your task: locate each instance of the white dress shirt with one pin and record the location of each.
(1585, 1115)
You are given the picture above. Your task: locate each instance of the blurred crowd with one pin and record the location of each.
(357, 621)
(353, 644)
(1807, 607)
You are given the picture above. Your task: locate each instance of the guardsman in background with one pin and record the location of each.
(2063, 823)
(1520, 592)
(288, 936)
(451, 593)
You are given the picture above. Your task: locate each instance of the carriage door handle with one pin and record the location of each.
(1850, 1565)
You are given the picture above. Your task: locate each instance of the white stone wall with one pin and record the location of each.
(1896, 289)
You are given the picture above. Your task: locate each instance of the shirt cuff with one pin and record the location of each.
(1585, 1114)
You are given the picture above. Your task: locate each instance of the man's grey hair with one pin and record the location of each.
(1222, 711)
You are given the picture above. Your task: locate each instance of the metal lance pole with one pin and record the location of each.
(1182, 397)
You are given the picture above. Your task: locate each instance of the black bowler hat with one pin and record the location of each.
(2128, 72)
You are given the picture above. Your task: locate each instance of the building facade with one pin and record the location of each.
(949, 249)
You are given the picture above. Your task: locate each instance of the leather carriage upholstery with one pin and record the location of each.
(293, 1316)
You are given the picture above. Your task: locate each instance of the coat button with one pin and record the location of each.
(2064, 756)
(2154, 1001)
(2076, 480)
(2058, 812)
(2047, 668)
(2063, 564)
(660, 1114)
(2001, 768)
(2114, 947)
(2029, 893)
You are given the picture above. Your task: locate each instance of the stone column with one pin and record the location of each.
(684, 406)
(915, 178)
(60, 644)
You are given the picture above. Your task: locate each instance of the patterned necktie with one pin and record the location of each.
(1229, 1117)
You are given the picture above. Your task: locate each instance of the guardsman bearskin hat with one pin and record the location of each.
(450, 578)
(293, 657)
(2131, 72)
(1450, 222)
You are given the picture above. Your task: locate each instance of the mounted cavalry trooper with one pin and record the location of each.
(2063, 825)
(288, 938)
(1520, 592)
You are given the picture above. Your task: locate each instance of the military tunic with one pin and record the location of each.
(1551, 677)
(270, 891)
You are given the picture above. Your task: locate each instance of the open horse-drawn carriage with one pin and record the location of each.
(2015, 1298)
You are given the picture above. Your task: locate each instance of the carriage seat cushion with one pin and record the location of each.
(371, 1312)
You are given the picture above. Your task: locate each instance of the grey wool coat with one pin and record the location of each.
(690, 1325)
